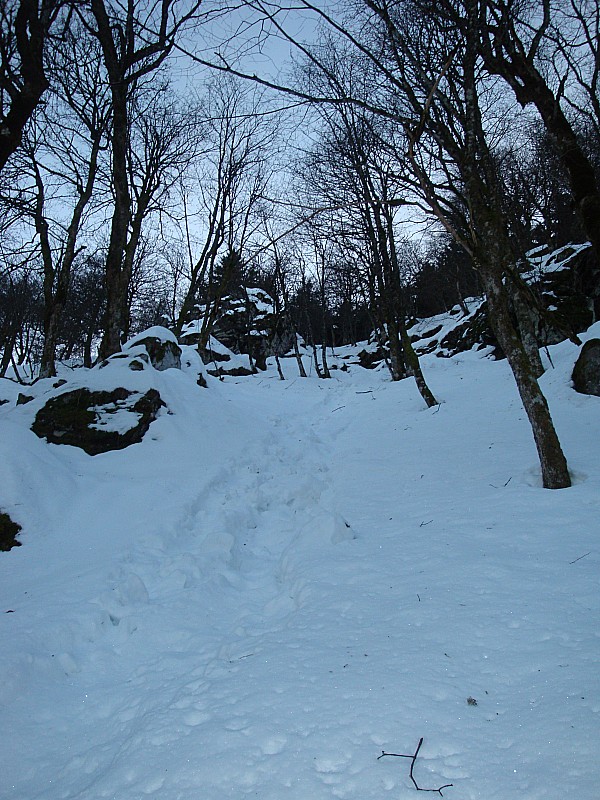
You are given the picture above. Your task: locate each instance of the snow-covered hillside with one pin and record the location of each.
(285, 579)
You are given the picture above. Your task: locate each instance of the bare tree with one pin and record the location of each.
(54, 173)
(74, 129)
(232, 185)
(165, 139)
(25, 28)
(135, 41)
(518, 41)
(355, 171)
(433, 84)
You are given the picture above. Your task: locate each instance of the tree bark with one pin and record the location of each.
(555, 473)
(31, 25)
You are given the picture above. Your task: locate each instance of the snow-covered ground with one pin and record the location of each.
(287, 578)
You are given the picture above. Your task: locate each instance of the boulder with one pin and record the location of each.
(586, 373)
(97, 421)
(161, 346)
(8, 531)
(370, 359)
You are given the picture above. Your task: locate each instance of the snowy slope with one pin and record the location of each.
(286, 578)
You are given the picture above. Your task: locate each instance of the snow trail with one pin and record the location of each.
(289, 578)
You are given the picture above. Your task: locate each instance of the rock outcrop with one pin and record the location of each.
(97, 421)
(246, 325)
(160, 345)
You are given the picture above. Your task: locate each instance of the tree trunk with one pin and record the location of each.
(325, 371)
(396, 363)
(117, 284)
(301, 369)
(527, 316)
(414, 368)
(279, 370)
(117, 280)
(555, 473)
(7, 353)
(31, 26)
(494, 258)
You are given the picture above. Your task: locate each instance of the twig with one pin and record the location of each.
(580, 557)
(493, 485)
(241, 658)
(422, 525)
(412, 766)
(369, 391)
(338, 408)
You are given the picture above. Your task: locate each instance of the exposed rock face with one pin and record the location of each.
(554, 278)
(221, 361)
(370, 359)
(246, 324)
(161, 346)
(8, 531)
(97, 421)
(472, 332)
(586, 373)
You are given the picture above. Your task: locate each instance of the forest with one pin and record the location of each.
(299, 399)
(365, 163)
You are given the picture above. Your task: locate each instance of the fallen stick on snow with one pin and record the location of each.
(412, 766)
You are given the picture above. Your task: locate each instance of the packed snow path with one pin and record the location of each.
(289, 578)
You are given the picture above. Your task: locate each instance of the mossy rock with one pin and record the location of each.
(76, 418)
(8, 532)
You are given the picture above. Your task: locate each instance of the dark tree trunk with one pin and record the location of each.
(56, 296)
(528, 318)
(301, 369)
(494, 259)
(31, 25)
(414, 368)
(117, 282)
(117, 277)
(555, 473)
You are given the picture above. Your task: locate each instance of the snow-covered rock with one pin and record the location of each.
(97, 421)
(161, 346)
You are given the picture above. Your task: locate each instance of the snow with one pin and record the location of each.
(543, 261)
(287, 577)
(155, 332)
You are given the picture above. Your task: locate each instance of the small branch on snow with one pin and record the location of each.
(422, 525)
(580, 557)
(338, 408)
(412, 766)
(241, 658)
(368, 391)
(493, 485)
